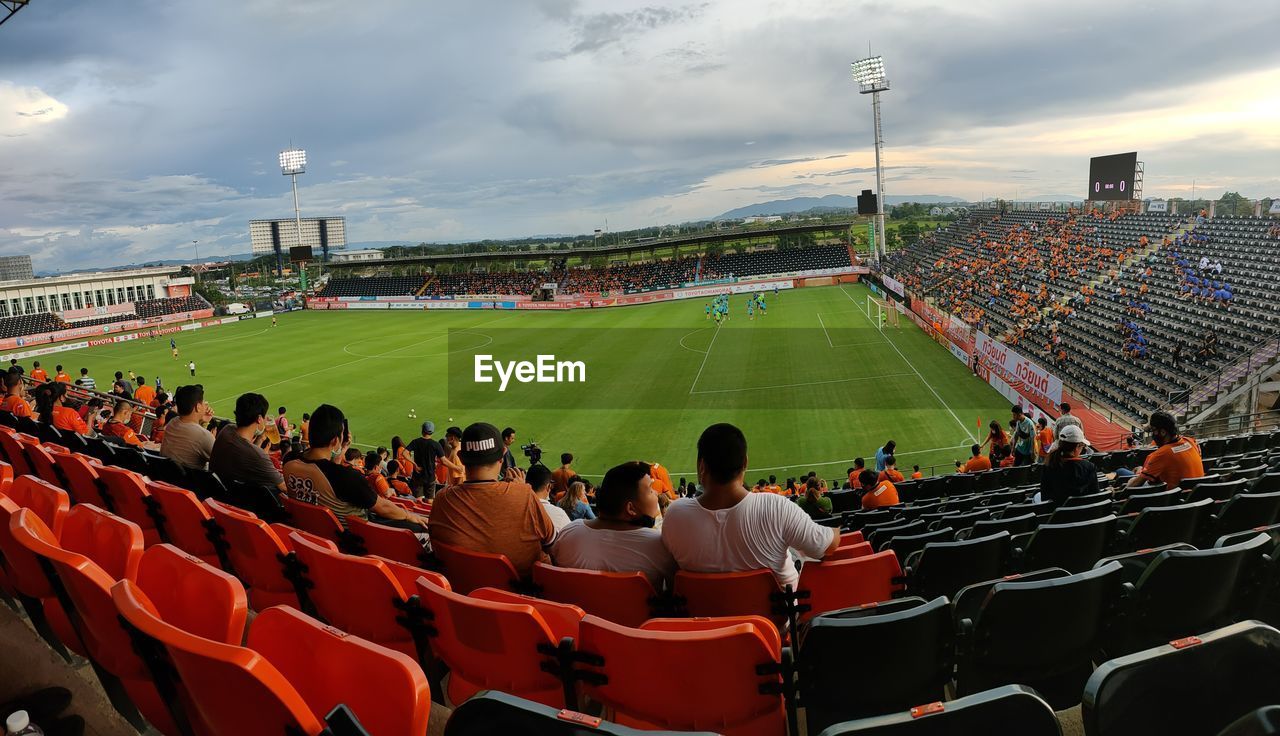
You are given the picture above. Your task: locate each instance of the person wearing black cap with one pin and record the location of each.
(621, 538)
(316, 477)
(1176, 457)
(492, 511)
(426, 451)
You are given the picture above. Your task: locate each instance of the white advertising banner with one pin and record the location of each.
(1158, 205)
(1021, 375)
(894, 285)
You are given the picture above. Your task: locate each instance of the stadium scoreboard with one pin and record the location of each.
(1111, 177)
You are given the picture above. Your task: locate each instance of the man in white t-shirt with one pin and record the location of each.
(539, 477)
(728, 529)
(621, 538)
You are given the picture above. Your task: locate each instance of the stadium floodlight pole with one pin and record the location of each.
(293, 161)
(196, 268)
(869, 74)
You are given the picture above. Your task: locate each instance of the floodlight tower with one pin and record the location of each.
(293, 161)
(869, 74)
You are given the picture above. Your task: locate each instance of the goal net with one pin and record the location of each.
(881, 313)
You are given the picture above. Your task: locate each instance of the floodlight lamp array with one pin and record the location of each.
(293, 161)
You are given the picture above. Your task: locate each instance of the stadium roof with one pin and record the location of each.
(9, 7)
(598, 250)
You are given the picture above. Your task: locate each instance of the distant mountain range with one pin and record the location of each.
(829, 202)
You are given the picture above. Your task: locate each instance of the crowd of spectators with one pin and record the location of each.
(637, 519)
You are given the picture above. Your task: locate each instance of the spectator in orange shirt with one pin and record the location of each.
(118, 426)
(561, 476)
(773, 486)
(977, 463)
(144, 393)
(374, 477)
(662, 484)
(890, 472)
(915, 472)
(404, 459)
(49, 402)
(855, 473)
(38, 374)
(61, 375)
(1044, 439)
(399, 483)
(14, 402)
(1176, 457)
(880, 493)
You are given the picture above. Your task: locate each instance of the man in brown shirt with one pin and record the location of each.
(491, 511)
(561, 476)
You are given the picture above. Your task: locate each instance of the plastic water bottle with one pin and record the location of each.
(19, 724)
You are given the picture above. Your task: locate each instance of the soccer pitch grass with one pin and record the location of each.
(812, 385)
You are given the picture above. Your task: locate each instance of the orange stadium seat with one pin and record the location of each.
(754, 593)
(182, 520)
(81, 474)
(48, 501)
(257, 556)
(386, 690)
(492, 645)
(361, 596)
(468, 570)
(850, 551)
(844, 583)
(128, 495)
(13, 453)
(727, 695)
(401, 545)
(233, 690)
(314, 519)
(27, 581)
(84, 587)
(40, 460)
(625, 598)
(113, 543)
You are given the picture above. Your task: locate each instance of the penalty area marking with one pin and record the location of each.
(913, 368)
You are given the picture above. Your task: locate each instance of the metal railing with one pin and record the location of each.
(1234, 424)
(1204, 393)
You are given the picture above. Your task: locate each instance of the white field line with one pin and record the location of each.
(704, 360)
(927, 385)
(797, 385)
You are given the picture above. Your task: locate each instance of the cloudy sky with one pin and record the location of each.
(130, 128)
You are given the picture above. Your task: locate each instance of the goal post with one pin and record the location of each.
(881, 313)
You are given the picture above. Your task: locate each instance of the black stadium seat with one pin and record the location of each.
(1261, 722)
(1043, 634)
(912, 633)
(1185, 592)
(1012, 709)
(1073, 547)
(491, 713)
(967, 602)
(1194, 686)
(1156, 526)
(1242, 512)
(906, 545)
(943, 568)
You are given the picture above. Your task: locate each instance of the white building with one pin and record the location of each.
(87, 295)
(761, 218)
(323, 234)
(357, 255)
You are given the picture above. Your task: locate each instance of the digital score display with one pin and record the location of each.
(1111, 177)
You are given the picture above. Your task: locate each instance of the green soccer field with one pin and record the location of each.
(813, 384)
